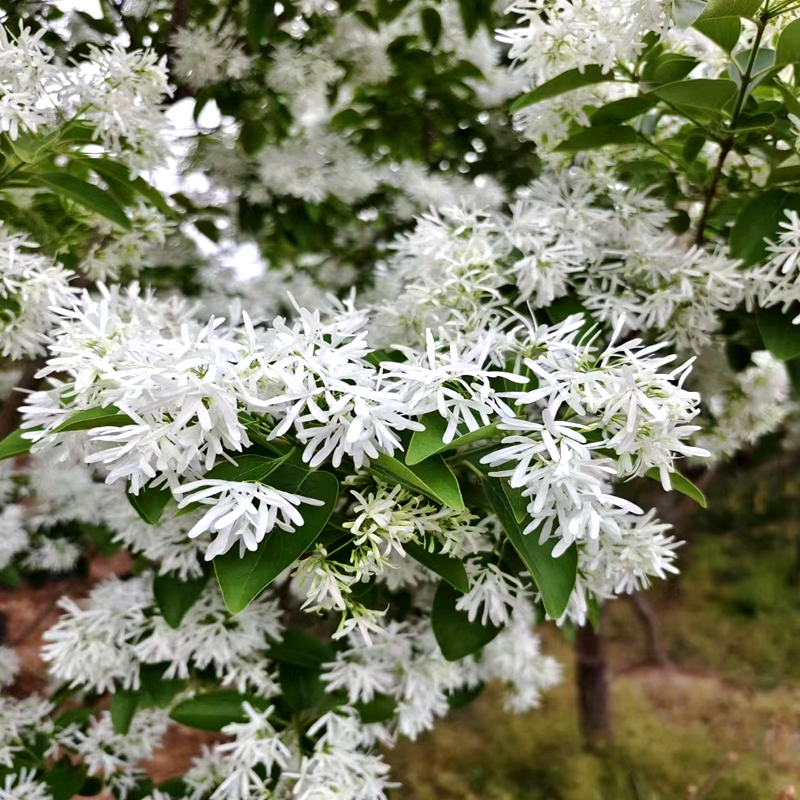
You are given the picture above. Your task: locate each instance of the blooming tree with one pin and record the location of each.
(352, 484)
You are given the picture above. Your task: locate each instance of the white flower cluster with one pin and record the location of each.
(103, 643)
(117, 92)
(30, 287)
(557, 239)
(203, 57)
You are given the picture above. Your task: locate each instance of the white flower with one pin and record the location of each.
(496, 592)
(243, 513)
(203, 58)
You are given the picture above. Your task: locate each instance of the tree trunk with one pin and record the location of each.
(654, 649)
(591, 675)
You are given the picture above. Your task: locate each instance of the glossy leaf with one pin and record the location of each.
(429, 442)
(451, 569)
(124, 703)
(565, 82)
(86, 194)
(156, 690)
(150, 503)
(242, 579)
(212, 711)
(758, 221)
(680, 484)
(15, 445)
(431, 25)
(175, 597)
(599, 136)
(95, 418)
(554, 577)
(432, 477)
(781, 337)
(456, 636)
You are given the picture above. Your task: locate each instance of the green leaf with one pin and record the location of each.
(242, 579)
(260, 21)
(704, 93)
(432, 477)
(565, 82)
(175, 597)
(381, 708)
(301, 649)
(212, 711)
(784, 175)
(724, 31)
(593, 611)
(65, 780)
(85, 194)
(156, 690)
(94, 418)
(685, 12)
(429, 442)
(301, 687)
(758, 221)
(599, 136)
(123, 706)
(27, 147)
(150, 503)
(431, 25)
(252, 137)
(780, 336)
(554, 577)
(249, 467)
(451, 569)
(122, 174)
(668, 68)
(788, 49)
(680, 484)
(718, 9)
(456, 636)
(14, 445)
(622, 110)
(518, 503)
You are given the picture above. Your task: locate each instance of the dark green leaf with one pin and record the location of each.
(208, 229)
(123, 706)
(668, 68)
(241, 579)
(301, 687)
(156, 689)
(26, 147)
(85, 194)
(599, 136)
(554, 577)
(252, 136)
(212, 711)
(175, 597)
(119, 172)
(95, 418)
(758, 221)
(150, 503)
(14, 445)
(593, 611)
(300, 649)
(381, 708)
(703, 93)
(431, 25)
(456, 636)
(260, 21)
(622, 110)
(451, 569)
(565, 82)
(518, 503)
(680, 484)
(780, 336)
(784, 175)
(64, 780)
(248, 467)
